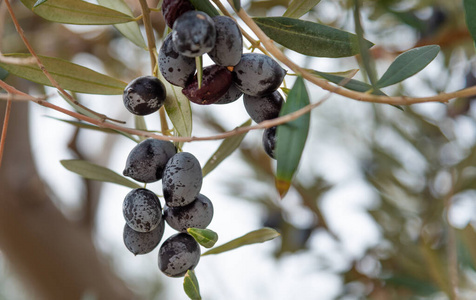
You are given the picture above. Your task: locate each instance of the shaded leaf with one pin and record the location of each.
(205, 237)
(237, 4)
(227, 147)
(470, 12)
(92, 171)
(206, 7)
(408, 64)
(422, 288)
(291, 137)
(310, 38)
(39, 2)
(253, 237)
(297, 8)
(70, 76)
(190, 285)
(77, 12)
(94, 127)
(130, 30)
(3, 73)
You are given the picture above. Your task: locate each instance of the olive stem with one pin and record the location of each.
(199, 65)
(5, 126)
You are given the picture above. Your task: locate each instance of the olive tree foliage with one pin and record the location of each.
(410, 136)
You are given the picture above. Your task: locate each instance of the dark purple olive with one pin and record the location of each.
(194, 34)
(178, 254)
(229, 42)
(262, 108)
(172, 9)
(269, 141)
(216, 81)
(144, 95)
(142, 242)
(142, 210)
(197, 214)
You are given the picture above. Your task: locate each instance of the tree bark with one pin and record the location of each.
(55, 257)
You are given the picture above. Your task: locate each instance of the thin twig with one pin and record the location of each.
(4, 128)
(45, 71)
(365, 97)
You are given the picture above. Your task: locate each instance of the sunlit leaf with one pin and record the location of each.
(92, 171)
(190, 285)
(206, 7)
(310, 38)
(253, 237)
(130, 30)
(205, 237)
(77, 12)
(227, 147)
(470, 12)
(291, 137)
(408, 64)
(70, 76)
(298, 8)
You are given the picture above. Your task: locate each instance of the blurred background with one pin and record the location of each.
(383, 205)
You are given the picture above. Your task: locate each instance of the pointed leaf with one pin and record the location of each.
(470, 12)
(310, 38)
(205, 237)
(291, 137)
(408, 64)
(77, 12)
(92, 171)
(130, 30)
(70, 76)
(39, 2)
(298, 8)
(253, 237)
(206, 7)
(227, 147)
(190, 285)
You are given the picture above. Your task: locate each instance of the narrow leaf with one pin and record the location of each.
(298, 8)
(78, 108)
(70, 76)
(39, 2)
(130, 30)
(3, 73)
(291, 137)
(190, 285)
(408, 64)
(310, 38)
(77, 12)
(351, 84)
(92, 171)
(237, 4)
(253, 237)
(227, 147)
(95, 128)
(470, 12)
(205, 237)
(206, 7)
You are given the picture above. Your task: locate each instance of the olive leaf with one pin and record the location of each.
(190, 285)
(206, 7)
(205, 237)
(298, 8)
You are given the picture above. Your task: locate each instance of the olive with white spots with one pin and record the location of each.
(147, 160)
(197, 214)
(182, 179)
(142, 210)
(230, 96)
(269, 141)
(262, 108)
(194, 34)
(142, 242)
(257, 74)
(228, 44)
(178, 254)
(176, 68)
(144, 95)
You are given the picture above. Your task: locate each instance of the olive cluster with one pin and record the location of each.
(233, 74)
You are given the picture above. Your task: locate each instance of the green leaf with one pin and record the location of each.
(92, 171)
(78, 108)
(3, 73)
(130, 30)
(190, 285)
(178, 109)
(470, 12)
(205, 237)
(39, 2)
(352, 84)
(77, 12)
(227, 147)
(291, 137)
(408, 64)
(206, 7)
(94, 127)
(310, 38)
(237, 5)
(70, 76)
(253, 237)
(298, 8)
